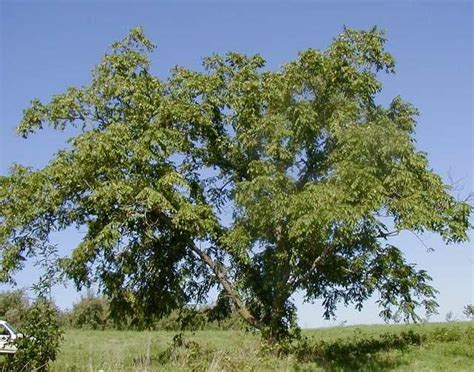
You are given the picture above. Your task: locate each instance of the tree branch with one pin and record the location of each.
(295, 281)
(228, 287)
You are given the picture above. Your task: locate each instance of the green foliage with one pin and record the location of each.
(41, 338)
(188, 319)
(93, 313)
(319, 178)
(13, 307)
(187, 352)
(90, 312)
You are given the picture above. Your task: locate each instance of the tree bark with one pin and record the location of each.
(277, 330)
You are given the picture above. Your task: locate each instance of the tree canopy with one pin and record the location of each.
(260, 183)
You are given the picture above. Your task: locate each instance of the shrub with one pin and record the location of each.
(184, 353)
(41, 338)
(189, 319)
(90, 312)
(13, 306)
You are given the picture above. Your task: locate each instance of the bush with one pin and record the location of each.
(189, 319)
(41, 338)
(90, 312)
(184, 354)
(93, 313)
(13, 307)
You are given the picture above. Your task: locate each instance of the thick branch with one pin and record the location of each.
(221, 277)
(228, 287)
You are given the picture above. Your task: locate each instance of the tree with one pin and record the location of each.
(469, 311)
(261, 183)
(90, 312)
(13, 306)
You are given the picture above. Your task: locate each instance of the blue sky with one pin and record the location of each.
(47, 46)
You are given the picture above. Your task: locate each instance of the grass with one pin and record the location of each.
(424, 347)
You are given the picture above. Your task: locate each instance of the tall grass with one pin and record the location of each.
(424, 347)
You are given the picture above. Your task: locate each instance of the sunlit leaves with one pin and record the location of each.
(288, 180)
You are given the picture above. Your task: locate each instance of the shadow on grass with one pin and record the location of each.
(361, 352)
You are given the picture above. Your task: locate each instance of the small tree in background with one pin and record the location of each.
(450, 316)
(469, 311)
(13, 306)
(90, 312)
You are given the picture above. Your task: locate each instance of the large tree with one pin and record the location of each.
(260, 183)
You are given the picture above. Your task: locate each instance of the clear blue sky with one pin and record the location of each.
(47, 46)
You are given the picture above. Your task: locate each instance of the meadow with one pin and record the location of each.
(422, 347)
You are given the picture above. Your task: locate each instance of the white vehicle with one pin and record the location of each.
(8, 334)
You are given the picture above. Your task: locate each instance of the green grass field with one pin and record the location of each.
(424, 347)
